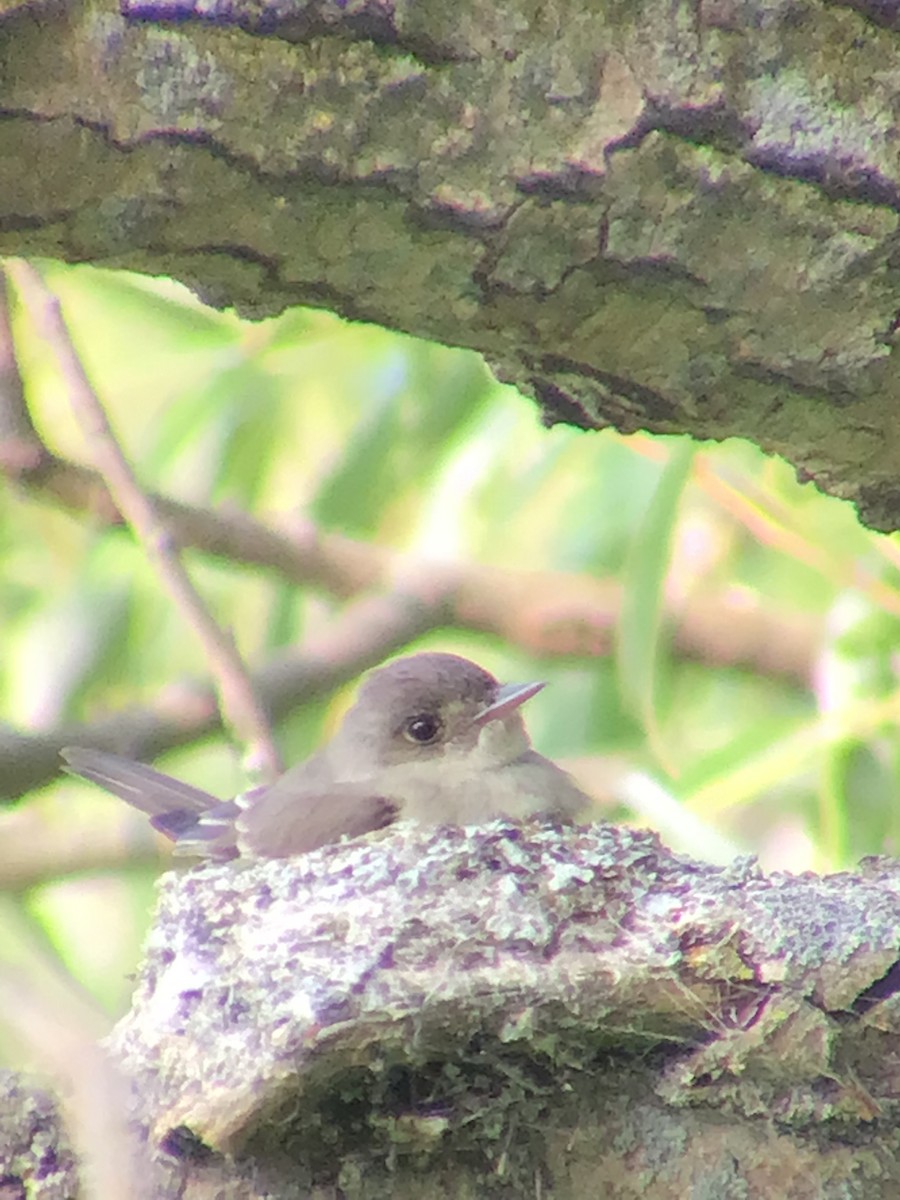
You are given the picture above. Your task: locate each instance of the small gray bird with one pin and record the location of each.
(431, 738)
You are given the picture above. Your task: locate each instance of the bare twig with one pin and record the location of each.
(21, 449)
(241, 707)
(38, 847)
(55, 1024)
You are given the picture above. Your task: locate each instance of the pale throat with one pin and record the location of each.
(500, 742)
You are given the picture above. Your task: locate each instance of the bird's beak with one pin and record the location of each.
(509, 697)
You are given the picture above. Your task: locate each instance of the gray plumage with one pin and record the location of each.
(432, 738)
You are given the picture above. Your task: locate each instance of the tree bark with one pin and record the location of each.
(670, 216)
(516, 1011)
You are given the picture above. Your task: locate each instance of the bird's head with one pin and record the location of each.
(428, 707)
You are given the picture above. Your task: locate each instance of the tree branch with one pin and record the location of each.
(546, 613)
(626, 231)
(504, 1001)
(241, 708)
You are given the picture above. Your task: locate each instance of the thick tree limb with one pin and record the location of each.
(669, 216)
(517, 1007)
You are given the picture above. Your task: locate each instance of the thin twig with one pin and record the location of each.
(39, 847)
(21, 449)
(60, 1033)
(241, 708)
(54, 1022)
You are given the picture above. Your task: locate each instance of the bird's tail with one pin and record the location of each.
(175, 808)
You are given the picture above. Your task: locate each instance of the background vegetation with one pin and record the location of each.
(719, 640)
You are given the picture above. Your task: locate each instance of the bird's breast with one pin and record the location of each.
(451, 794)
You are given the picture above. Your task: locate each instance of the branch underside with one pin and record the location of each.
(686, 230)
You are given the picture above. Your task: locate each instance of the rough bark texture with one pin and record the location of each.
(36, 1158)
(517, 1011)
(673, 216)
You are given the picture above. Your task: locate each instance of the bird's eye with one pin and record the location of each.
(422, 729)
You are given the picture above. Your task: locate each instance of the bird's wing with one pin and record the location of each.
(213, 835)
(277, 823)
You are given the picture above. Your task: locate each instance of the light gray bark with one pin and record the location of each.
(673, 216)
(517, 1011)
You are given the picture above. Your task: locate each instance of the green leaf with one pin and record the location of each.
(639, 641)
(216, 441)
(427, 396)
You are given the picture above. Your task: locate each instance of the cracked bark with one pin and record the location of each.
(663, 216)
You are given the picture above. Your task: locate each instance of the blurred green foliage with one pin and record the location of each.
(416, 447)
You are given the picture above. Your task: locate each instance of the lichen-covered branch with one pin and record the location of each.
(666, 216)
(517, 1003)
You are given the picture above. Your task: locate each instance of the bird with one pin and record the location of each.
(432, 738)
